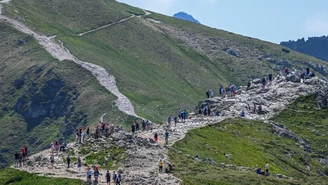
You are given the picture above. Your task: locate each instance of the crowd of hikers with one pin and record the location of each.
(21, 157)
(107, 129)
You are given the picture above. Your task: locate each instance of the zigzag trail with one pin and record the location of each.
(58, 51)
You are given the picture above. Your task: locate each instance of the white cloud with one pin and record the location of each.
(317, 24)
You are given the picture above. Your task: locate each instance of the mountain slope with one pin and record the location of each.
(185, 16)
(43, 99)
(314, 46)
(160, 63)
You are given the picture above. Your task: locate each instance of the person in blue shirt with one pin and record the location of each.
(175, 120)
(242, 114)
(166, 137)
(169, 120)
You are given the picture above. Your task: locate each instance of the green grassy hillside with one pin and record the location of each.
(43, 99)
(17, 177)
(160, 66)
(252, 144)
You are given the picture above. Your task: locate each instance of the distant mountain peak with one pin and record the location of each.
(185, 16)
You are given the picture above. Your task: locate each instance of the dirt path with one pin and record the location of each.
(60, 52)
(114, 23)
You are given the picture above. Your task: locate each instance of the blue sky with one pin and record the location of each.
(274, 20)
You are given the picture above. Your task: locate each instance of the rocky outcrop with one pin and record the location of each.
(282, 131)
(322, 98)
(273, 98)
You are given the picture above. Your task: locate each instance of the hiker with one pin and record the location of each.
(52, 147)
(179, 113)
(249, 84)
(108, 177)
(286, 71)
(16, 159)
(26, 152)
(175, 118)
(137, 126)
(23, 153)
(63, 146)
(260, 109)
(68, 160)
(212, 93)
(80, 134)
(118, 179)
(205, 111)
(83, 134)
(52, 160)
(259, 171)
(307, 71)
(143, 125)
(242, 115)
(133, 128)
(184, 115)
(169, 120)
(263, 82)
(267, 168)
(169, 167)
(79, 164)
(200, 111)
(156, 137)
(160, 166)
(166, 137)
(254, 109)
(114, 176)
(217, 113)
(77, 136)
(89, 174)
(233, 89)
(209, 111)
(96, 173)
(57, 147)
(270, 78)
(21, 160)
(88, 130)
(208, 94)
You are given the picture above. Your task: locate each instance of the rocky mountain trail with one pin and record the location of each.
(60, 52)
(142, 152)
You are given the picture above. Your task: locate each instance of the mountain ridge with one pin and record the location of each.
(185, 16)
(313, 46)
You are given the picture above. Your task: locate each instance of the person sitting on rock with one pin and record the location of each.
(249, 85)
(169, 167)
(242, 115)
(63, 146)
(217, 113)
